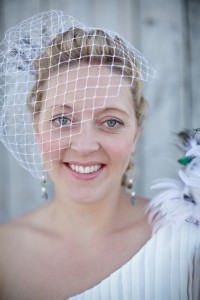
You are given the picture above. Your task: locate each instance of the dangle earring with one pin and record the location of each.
(44, 187)
(129, 181)
(129, 186)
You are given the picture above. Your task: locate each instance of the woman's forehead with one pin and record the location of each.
(86, 76)
(94, 84)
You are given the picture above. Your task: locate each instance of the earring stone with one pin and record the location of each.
(44, 188)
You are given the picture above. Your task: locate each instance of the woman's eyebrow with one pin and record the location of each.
(98, 109)
(62, 106)
(111, 109)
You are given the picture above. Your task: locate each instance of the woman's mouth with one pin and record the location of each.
(84, 171)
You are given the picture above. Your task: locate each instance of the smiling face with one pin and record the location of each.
(87, 130)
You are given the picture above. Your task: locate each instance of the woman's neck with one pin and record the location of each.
(85, 220)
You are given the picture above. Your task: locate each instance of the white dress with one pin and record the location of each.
(167, 267)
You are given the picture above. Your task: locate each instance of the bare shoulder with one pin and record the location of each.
(10, 237)
(19, 240)
(16, 234)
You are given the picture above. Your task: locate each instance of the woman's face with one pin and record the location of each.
(87, 129)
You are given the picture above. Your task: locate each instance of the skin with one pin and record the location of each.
(90, 229)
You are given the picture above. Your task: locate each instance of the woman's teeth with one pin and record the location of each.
(85, 170)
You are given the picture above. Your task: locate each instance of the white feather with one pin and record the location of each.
(179, 200)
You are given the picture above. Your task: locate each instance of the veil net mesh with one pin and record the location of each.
(47, 63)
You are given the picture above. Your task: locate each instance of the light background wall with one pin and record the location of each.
(168, 34)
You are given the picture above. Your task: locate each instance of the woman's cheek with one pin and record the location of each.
(121, 151)
(50, 147)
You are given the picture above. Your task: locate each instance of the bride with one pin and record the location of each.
(94, 241)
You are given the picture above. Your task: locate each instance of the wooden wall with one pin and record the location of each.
(168, 34)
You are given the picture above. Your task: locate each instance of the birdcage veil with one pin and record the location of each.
(46, 46)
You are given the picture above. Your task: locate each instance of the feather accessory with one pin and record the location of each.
(179, 199)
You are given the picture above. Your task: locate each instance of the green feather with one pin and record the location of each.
(185, 160)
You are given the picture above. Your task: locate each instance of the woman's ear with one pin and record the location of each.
(35, 120)
(136, 137)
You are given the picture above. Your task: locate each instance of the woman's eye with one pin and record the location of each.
(61, 121)
(112, 123)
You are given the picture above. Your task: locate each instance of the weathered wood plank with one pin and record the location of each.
(19, 191)
(5, 207)
(15, 11)
(162, 42)
(5, 211)
(194, 39)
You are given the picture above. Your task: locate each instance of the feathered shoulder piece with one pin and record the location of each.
(179, 199)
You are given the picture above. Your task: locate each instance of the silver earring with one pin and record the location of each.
(129, 186)
(44, 187)
(129, 180)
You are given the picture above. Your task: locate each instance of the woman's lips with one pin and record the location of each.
(85, 171)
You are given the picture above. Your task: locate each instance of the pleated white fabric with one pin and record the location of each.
(166, 268)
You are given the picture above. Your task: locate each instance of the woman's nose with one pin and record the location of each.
(86, 141)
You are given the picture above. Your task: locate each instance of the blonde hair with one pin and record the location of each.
(90, 47)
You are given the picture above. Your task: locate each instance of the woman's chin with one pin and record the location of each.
(86, 198)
